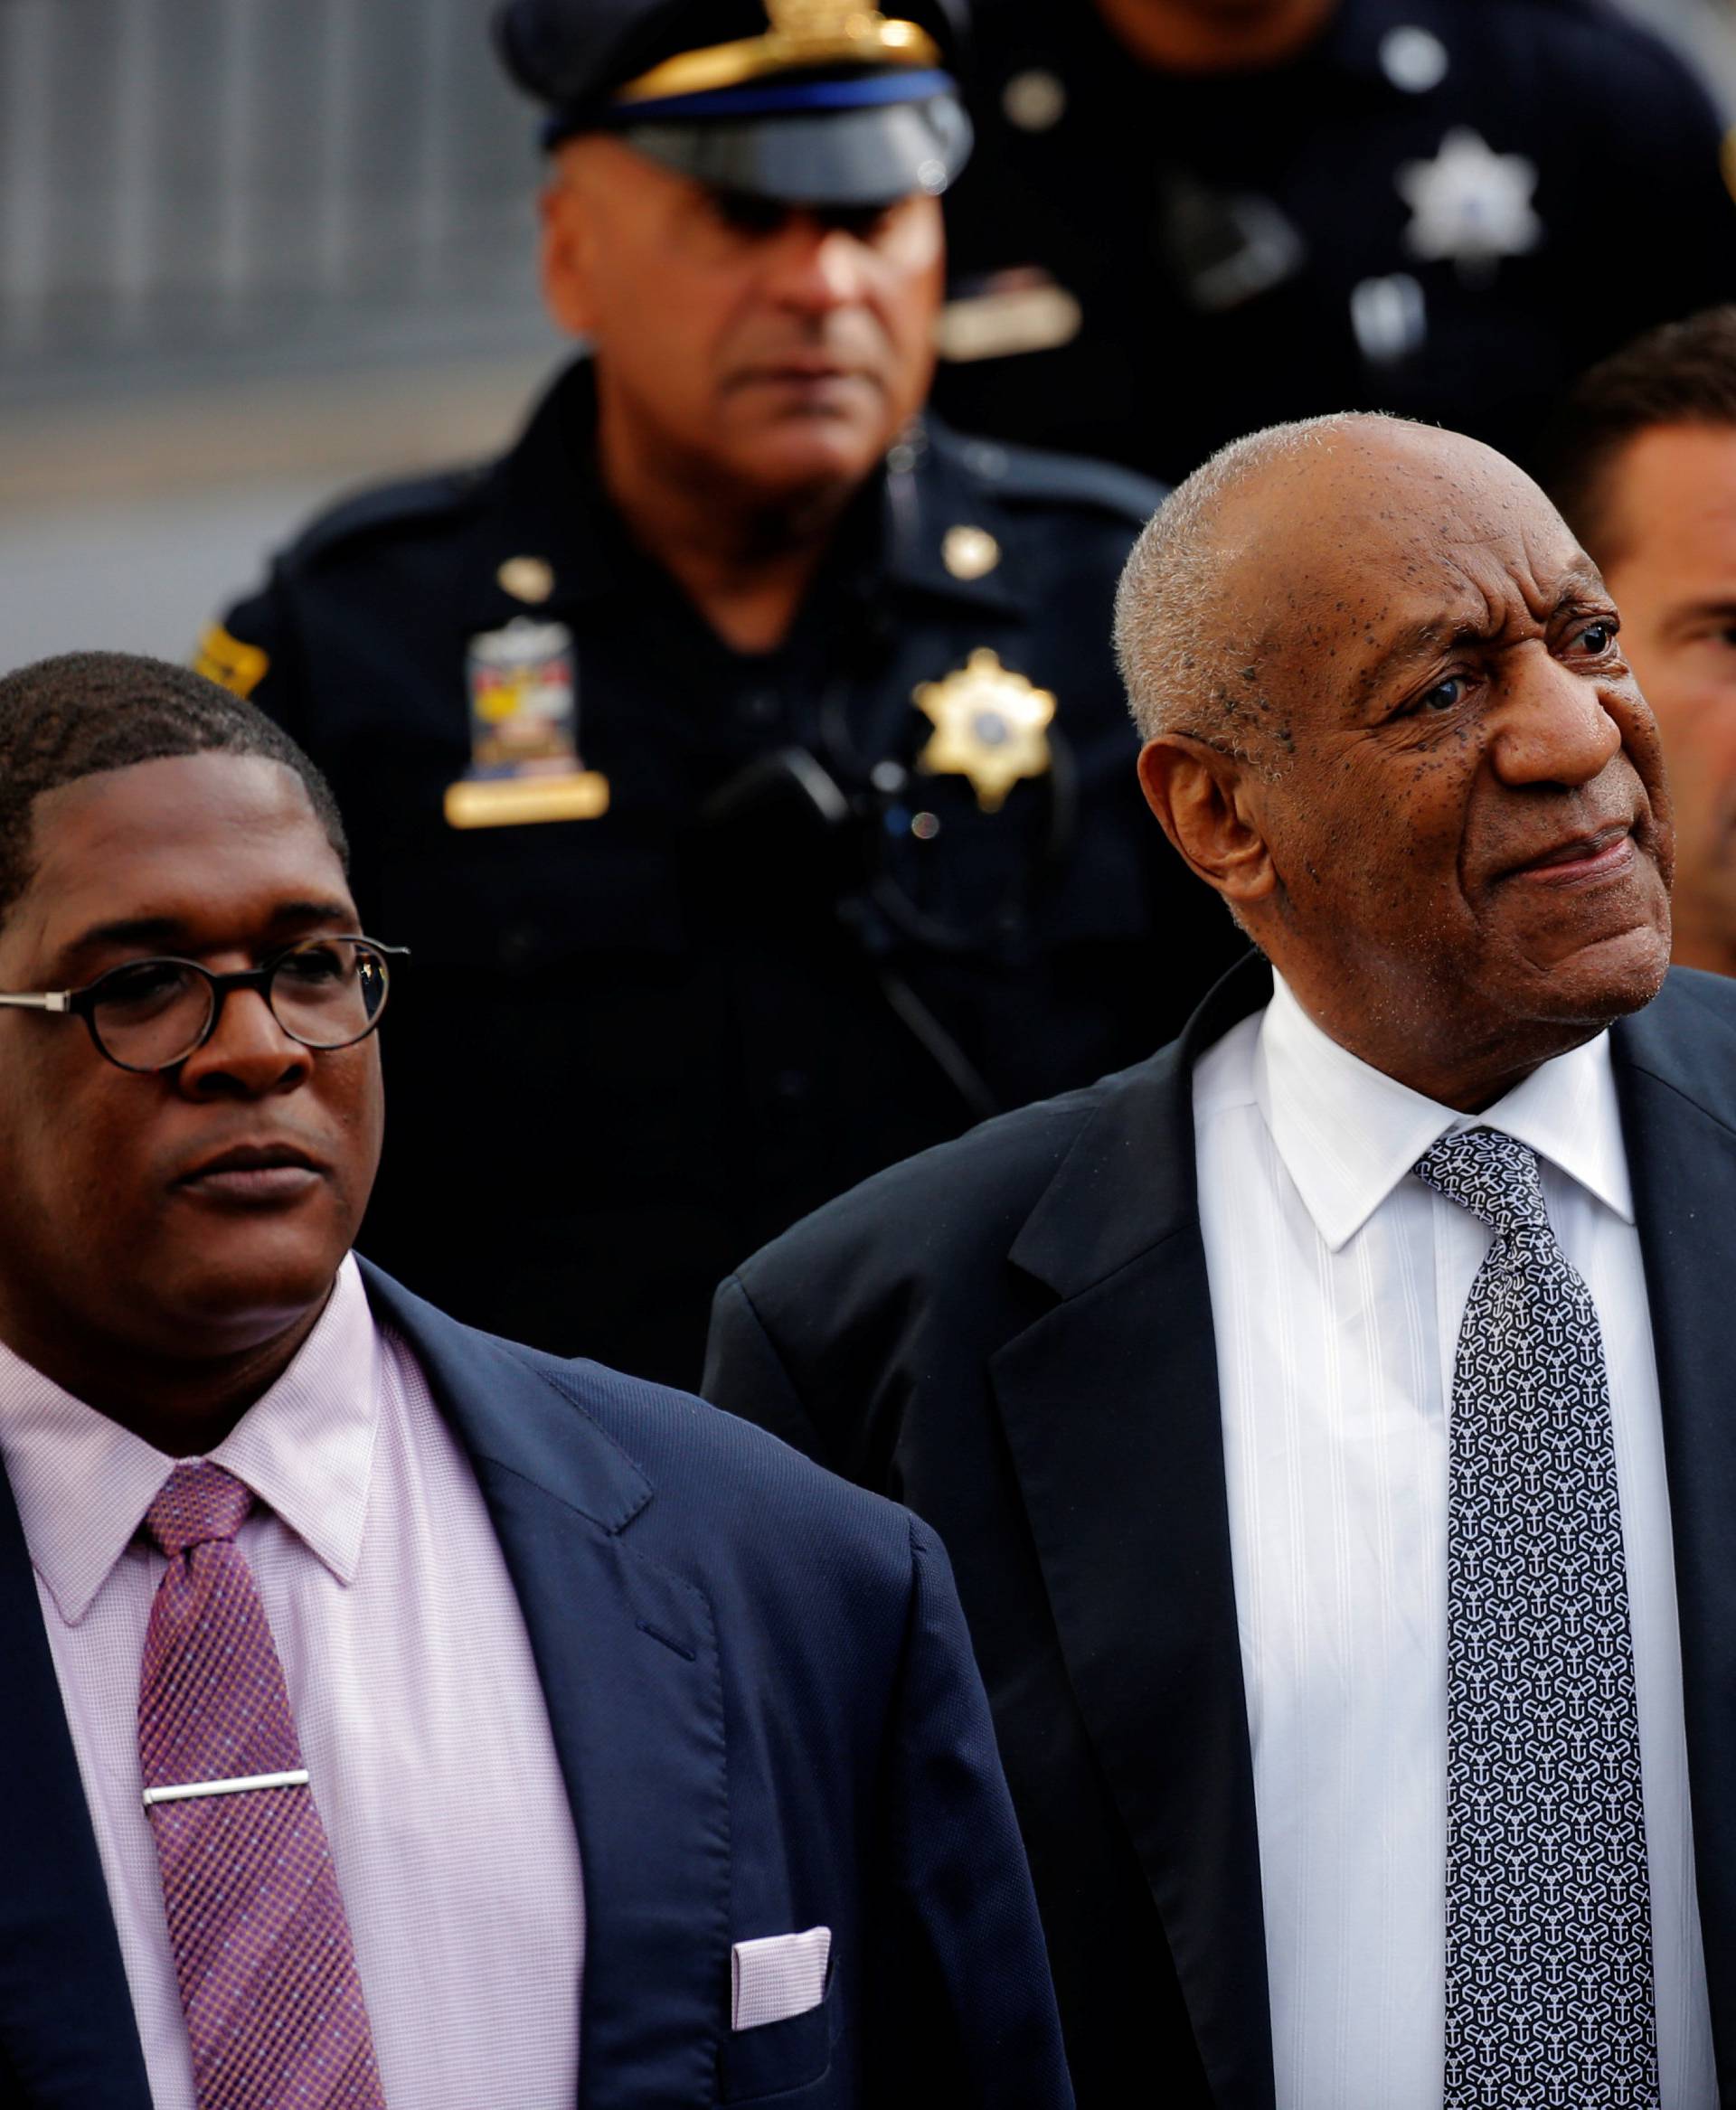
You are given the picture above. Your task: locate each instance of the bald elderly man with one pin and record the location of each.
(1330, 1417)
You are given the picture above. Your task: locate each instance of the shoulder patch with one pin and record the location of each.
(387, 505)
(1027, 476)
(231, 662)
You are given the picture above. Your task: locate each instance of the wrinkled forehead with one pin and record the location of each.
(1370, 543)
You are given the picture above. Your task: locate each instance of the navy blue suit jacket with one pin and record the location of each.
(767, 1717)
(1014, 1333)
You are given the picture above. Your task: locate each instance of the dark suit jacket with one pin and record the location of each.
(762, 1702)
(1013, 1334)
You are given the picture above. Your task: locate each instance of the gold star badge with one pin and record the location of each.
(990, 726)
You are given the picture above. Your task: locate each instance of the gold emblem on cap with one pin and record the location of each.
(803, 21)
(527, 579)
(802, 33)
(990, 726)
(969, 552)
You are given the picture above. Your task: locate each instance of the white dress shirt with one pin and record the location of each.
(420, 1715)
(1338, 1281)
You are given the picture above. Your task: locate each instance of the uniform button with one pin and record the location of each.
(1390, 317)
(527, 579)
(907, 450)
(1034, 100)
(1414, 59)
(889, 778)
(969, 552)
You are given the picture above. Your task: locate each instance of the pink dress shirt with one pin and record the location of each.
(420, 1712)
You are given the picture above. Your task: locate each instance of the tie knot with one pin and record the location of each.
(1493, 1175)
(197, 1504)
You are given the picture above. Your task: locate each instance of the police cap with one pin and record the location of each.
(811, 102)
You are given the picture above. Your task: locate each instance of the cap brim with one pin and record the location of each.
(836, 158)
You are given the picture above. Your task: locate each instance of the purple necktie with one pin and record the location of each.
(262, 1950)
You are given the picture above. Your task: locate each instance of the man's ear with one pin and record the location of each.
(1205, 802)
(565, 210)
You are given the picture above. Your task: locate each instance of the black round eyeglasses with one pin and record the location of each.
(146, 1015)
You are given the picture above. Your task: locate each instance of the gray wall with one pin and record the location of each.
(252, 251)
(261, 179)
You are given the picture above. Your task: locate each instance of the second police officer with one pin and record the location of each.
(742, 757)
(1186, 218)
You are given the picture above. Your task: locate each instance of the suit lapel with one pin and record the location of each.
(68, 2039)
(632, 1678)
(1110, 1405)
(1675, 1073)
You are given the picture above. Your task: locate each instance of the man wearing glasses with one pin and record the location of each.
(397, 1716)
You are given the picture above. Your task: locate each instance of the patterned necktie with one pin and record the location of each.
(1549, 1944)
(262, 1950)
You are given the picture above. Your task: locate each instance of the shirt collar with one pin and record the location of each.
(83, 1483)
(1348, 1133)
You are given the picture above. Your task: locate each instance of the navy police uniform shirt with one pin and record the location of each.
(629, 1050)
(1444, 208)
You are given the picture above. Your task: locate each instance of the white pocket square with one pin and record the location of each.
(778, 1976)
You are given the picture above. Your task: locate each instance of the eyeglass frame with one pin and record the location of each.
(82, 1003)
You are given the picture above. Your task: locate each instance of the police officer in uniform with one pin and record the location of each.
(1186, 218)
(742, 757)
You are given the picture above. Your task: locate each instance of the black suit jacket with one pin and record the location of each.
(760, 1694)
(1013, 1334)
